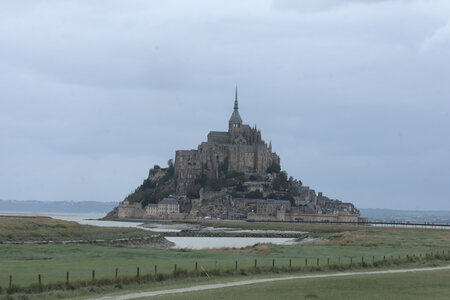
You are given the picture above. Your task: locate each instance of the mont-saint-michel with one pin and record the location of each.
(235, 174)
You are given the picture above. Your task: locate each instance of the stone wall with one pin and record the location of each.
(128, 210)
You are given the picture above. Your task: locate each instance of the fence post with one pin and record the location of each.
(195, 266)
(235, 265)
(255, 263)
(290, 263)
(156, 269)
(137, 272)
(273, 263)
(373, 260)
(175, 270)
(384, 257)
(39, 279)
(116, 276)
(328, 261)
(317, 261)
(10, 281)
(362, 259)
(351, 260)
(67, 277)
(93, 275)
(306, 261)
(339, 260)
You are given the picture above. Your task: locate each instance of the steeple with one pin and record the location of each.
(236, 107)
(235, 120)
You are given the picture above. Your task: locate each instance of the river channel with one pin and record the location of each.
(193, 242)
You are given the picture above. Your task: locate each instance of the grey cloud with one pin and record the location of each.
(355, 99)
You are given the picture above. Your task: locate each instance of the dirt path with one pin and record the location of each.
(253, 281)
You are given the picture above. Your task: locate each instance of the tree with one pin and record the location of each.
(280, 182)
(274, 168)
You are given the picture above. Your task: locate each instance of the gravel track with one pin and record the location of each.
(254, 281)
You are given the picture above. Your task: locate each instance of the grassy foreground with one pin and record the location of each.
(16, 229)
(421, 285)
(343, 244)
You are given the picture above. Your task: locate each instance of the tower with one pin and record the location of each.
(235, 120)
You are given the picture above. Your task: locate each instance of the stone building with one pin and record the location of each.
(240, 149)
(166, 207)
(270, 206)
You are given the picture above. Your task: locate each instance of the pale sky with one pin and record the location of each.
(354, 94)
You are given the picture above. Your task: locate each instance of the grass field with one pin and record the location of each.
(13, 228)
(421, 285)
(344, 243)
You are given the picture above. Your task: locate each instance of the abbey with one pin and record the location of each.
(233, 175)
(239, 149)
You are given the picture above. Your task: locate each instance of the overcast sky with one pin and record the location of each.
(354, 94)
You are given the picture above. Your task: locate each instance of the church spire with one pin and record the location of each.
(236, 107)
(235, 120)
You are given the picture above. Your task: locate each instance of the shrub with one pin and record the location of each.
(254, 195)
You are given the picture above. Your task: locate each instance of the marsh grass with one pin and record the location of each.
(23, 228)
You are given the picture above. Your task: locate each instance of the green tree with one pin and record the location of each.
(280, 182)
(274, 168)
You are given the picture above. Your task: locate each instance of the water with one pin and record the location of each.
(180, 242)
(220, 242)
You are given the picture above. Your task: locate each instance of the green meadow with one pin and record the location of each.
(339, 246)
(407, 286)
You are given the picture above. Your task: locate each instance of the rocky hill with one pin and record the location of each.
(232, 175)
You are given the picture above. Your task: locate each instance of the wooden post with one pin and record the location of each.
(328, 261)
(10, 281)
(255, 263)
(156, 269)
(273, 263)
(373, 260)
(116, 276)
(351, 260)
(290, 263)
(384, 257)
(175, 269)
(362, 259)
(67, 277)
(93, 275)
(317, 261)
(339, 259)
(235, 265)
(137, 272)
(196, 267)
(306, 261)
(39, 279)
